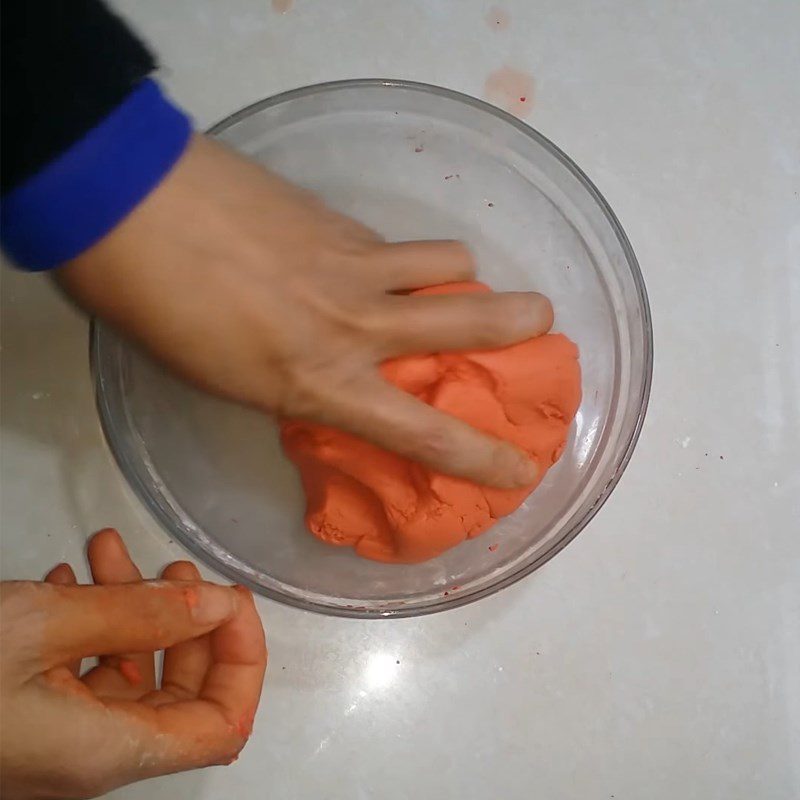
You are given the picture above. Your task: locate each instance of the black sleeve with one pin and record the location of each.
(65, 64)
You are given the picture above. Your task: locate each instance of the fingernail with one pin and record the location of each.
(543, 312)
(527, 472)
(209, 604)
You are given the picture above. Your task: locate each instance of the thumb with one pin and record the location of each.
(82, 621)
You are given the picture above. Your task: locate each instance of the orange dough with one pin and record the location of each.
(390, 509)
(130, 671)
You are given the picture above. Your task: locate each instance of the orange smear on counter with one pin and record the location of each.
(390, 509)
(130, 671)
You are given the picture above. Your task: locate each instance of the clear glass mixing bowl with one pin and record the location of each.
(411, 161)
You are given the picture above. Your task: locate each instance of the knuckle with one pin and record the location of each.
(372, 320)
(23, 605)
(21, 601)
(300, 397)
(438, 448)
(178, 690)
(18, 592)
(322, 381)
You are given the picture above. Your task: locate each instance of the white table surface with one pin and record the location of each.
(658, 656)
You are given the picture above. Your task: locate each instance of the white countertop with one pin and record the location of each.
(658, 656)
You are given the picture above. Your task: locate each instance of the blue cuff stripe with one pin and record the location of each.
(80, 196)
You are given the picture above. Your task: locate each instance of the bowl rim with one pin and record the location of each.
(454, 600)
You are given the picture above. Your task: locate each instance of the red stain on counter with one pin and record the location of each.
(498, 19)
(511, 89)
(282, 6)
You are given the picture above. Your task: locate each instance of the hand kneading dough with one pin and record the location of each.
(390, 509)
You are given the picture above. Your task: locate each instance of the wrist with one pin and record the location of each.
(80, 196)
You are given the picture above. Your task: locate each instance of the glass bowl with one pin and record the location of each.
(412, 161)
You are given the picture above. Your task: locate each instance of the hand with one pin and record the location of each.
(252, 289)
(69, 736)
